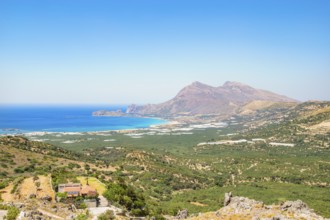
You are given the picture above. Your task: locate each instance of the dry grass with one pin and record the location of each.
(198, 204)
(6, 195)
(28, 187)
(253, 106)
(93, 182)
(322, 127)
(46, 188)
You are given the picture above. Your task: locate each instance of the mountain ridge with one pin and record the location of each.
(198, 98)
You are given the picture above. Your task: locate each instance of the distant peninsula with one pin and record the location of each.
(117, 113)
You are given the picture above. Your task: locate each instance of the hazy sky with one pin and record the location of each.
(145, 51)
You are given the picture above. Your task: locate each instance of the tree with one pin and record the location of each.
(126, 196)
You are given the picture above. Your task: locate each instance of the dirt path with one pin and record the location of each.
(50, 214)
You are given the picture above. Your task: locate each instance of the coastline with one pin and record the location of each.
(18, 132)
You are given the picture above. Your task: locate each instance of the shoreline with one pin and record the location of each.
(41, 133)
(169, 126)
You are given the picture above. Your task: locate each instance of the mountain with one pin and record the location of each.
(199, 98)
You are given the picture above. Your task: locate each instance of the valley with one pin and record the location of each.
(274, 156)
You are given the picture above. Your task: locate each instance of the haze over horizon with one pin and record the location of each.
(123, 52)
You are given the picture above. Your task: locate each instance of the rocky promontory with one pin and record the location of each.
(118, 113)
(236, 207)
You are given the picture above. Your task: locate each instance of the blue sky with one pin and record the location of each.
(145, 51)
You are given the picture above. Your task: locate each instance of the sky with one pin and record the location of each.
(145, 51)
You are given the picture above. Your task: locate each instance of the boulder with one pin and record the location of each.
(182, 214)
(46, 198)
(228, 197)
(295, 206)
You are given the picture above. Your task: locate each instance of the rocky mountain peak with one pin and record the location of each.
(199, 98)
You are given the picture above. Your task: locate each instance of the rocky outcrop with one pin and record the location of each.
(35, 215)
(227, 200)
(258, 210)
(244, 208)
(118, 113)
(199, 98)
(183, 214)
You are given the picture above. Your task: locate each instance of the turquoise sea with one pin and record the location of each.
(33, 118)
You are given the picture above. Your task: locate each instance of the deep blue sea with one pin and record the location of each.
(23, 119)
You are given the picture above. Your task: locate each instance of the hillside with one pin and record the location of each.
(199, 98)
(274, 155)
(21, 158)
(260, 105)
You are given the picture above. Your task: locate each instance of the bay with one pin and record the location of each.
(35, 118)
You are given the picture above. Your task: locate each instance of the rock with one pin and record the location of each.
(228, 197)
(132, 109)
(242, 203)
(47, 198)
(35, 215)
(182, 214)
(245, 208)
(295, 206)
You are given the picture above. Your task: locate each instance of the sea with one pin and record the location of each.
(17, 119)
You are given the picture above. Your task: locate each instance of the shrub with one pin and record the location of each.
(82, 217)
(62, 195)
(3, 184)
(108, 215)
(19, 170)
(12, 212)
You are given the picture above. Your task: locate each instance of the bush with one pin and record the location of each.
(19, 170)
(3, 184)
(62, 195)
(16, 183)
(82, 217)
(108, 215)
(83, 206)
(12, 212)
